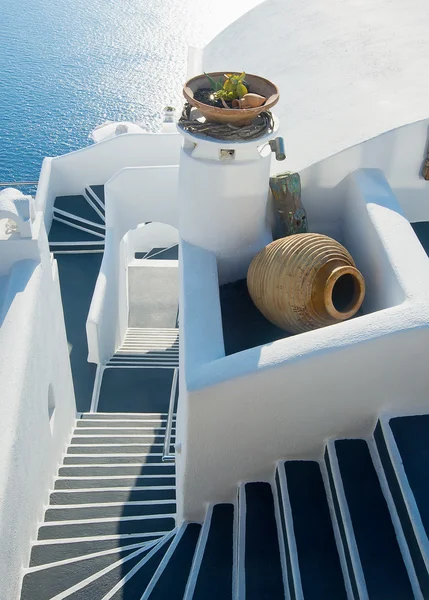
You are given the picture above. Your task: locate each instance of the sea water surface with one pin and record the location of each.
(68, 65)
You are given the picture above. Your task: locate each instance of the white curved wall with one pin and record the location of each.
(347, 71)
(34, 374)
(70, 173)
(134, 195)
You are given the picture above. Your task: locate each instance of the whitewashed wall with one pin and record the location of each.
(398, 153)
(242, 412)
(34, 372)
(134, 195)
(347, 71)
(70, 173)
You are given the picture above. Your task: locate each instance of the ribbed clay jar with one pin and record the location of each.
(305, 281)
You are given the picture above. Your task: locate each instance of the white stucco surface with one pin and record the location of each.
(223, 201)
(37, 407)
(347, 71)
(287, 397)
(134, 195)
(70, 173)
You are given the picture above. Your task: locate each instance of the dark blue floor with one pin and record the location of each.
(382, 563)
(78, 274)
(412, 438)
(320, 568)
(135, 390)
(243, 325)
(421, 230)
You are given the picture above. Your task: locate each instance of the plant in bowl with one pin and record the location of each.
(234, 98)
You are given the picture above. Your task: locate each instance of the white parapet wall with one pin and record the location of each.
(96, 164)
(37, 405)
(133, 196)
(238, 414)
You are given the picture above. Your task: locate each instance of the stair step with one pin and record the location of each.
(103, 511)
(214, 580)
(83, 425)
(119, 431)
(61, 232)
(105, 482)
(66, 248)
(178, 567)
(144, 417)
(78, 205)
(319, 563)
(98, 191)
(116, 449)
(128, 585)
(412, 438)
(48, 553)
(47, 583)
(112, 495)
(165, 469)
(263, 572)
(385, 574)
(120, 440)
(72, 221)
(141, 459)
(401, 494)
(109, 527)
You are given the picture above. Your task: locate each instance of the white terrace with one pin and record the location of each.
(230, 464)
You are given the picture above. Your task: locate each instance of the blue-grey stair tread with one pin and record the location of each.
(78, 205)
(289, 572)
(60, 232)
(71, 221)
(134, 587)
(162, 253)
(319, 562)
(406, 523)
(165, 469)
(47, 583)
(263, 571)
(118, 449)
(172, 582)
(96, 528)
(100, 588)
(75, 459)
(49, 553)
(341, 526)
(77, 275)
(421, 229)
(148, 390)
(97, 440)
(58, 249)
(143, 431)
(105, 482)
(98, 190)
(121, 416)
(214, 581)
(382, 563)
(101, 496)
(101, 512)
(412, 438)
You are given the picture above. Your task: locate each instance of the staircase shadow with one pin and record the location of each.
(155, 486)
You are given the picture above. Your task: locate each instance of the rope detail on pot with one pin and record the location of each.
(262, 124)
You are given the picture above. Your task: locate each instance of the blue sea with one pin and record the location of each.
(68, 65)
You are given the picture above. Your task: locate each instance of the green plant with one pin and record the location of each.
(232, 88)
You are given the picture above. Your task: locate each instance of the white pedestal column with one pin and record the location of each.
(223, 192)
